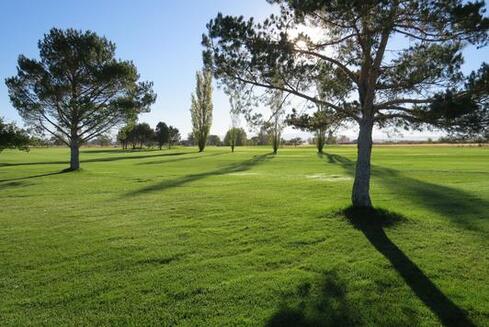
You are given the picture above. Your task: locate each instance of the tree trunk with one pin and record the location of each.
(275, 143)
(202, 142)
(361, 187)
(320, 140)
(75, 156)
(232, 147)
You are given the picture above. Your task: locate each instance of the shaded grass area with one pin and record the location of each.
(459, 206)
(244, 239)
(372, 223)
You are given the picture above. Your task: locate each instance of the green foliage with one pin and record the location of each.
(136, 134)
(214, 140)
(78, 89)
(142, 134)
(12, 137)
(465, 115)
(102, 140)
(295, 141)
(276, 123)
(201, 108)
(235, 136)
(343, 49)
(243, 52)
(261, 139)
(319, 123)
(173, 136)
(162, 134)
(123, 135)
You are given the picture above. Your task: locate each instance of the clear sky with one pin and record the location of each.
(162, 37)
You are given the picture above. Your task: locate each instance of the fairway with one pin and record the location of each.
(177, 237)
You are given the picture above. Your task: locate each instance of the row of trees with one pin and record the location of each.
(141, 134)
(12, 137)
(234, 136)
(341, 63)
(322, 123)
(78, 91)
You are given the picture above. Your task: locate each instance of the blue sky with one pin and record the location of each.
(162, 37)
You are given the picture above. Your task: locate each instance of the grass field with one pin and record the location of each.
(244, 239)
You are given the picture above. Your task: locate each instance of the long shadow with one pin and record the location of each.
(158, 162)
(96, 159)
(64, 171)
(371, 222)
(234, 168)
(463, 208)
(13, 184)
(321, 305)
(118, 150)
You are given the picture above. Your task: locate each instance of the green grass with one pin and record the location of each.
(244, 239)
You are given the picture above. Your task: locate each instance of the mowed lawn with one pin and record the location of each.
(176, 237)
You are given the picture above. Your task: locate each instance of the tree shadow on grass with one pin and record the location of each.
(64, 171)
(11, 185)
(234, 168)
(119, 150)
(324, 304)
(159, 162)
(463, 208)
(107, 159)
(371, 222)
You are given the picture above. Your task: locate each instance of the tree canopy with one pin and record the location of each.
(351, 48)
(235, 136)
(173, 136)
(471, 118)
(320, 122)
(214, 140)
(201, 108)
(77, 90)
(12, 137)
(162, 134)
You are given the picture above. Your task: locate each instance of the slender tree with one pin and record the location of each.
(124, 134)
(162, 134)
(238, 105)
(12, 137)
(276, 122)
(236, 136)
(201, 108)
(173, 136)
(350, 42)
(320, 122)
(78, 89)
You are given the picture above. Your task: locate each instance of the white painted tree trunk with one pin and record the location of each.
(361, 187)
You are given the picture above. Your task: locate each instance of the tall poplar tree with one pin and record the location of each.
(201, 108)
